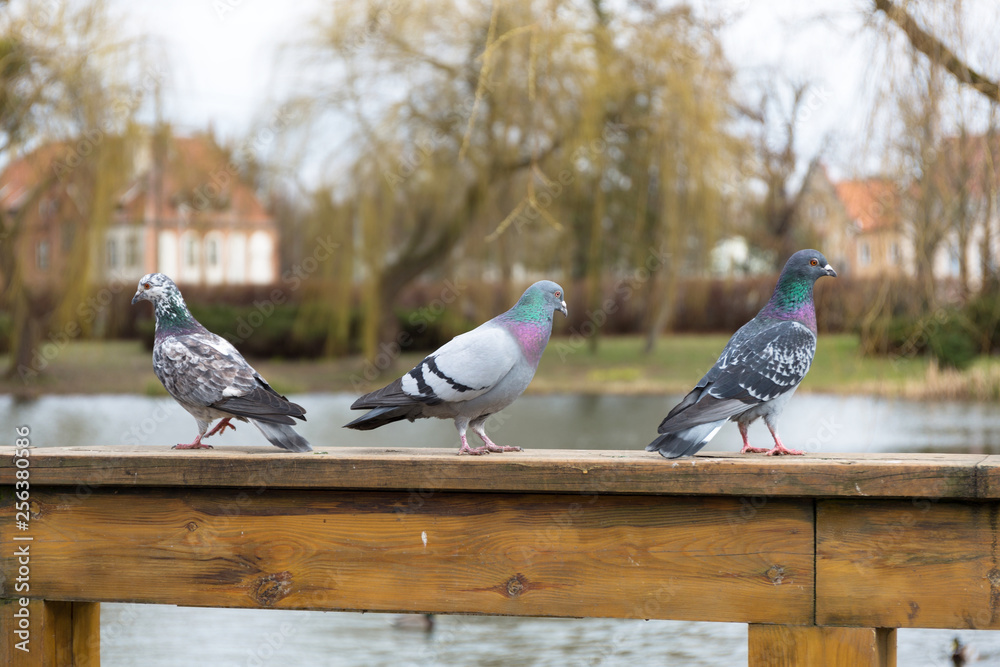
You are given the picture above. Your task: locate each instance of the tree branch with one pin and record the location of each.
(937, 51)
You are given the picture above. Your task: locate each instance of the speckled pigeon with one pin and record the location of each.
(208, 377)
(475, 374)
(758, 371)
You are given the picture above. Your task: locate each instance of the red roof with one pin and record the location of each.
(194, 173)
(872, 202)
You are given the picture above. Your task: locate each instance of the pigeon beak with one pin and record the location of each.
(829, 271)
(562, 309)
(137, 298)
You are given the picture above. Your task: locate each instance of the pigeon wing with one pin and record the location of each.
(756, 369)
(464, 368)
(205, 370)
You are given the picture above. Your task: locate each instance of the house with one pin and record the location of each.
(822, 221)
(182, 210)
(40, 206)
(878, 243)
(859, 224)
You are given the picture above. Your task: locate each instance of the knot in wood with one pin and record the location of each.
(515, 586)
(192, 526)
(272, 587)
(776, 574)
(994, 577)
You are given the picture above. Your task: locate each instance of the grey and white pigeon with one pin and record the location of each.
(758, 371)
(474, 375)
(208, 377)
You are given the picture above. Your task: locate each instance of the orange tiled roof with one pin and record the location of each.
(194, 173)
(872, 202)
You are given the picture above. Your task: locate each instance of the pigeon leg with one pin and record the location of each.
(779, 448)
(221, 427)
(462, 424)
(747, 449)
(194, 445)
(479, 428)
(469, 450)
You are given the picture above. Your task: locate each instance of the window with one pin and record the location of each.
(191, 251)
(131, 251)
(864, 253)
(112, 251)
(68, 236)
(42, 255)
(212, 252)
(894, 255)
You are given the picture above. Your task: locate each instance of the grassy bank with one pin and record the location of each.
(619, 366)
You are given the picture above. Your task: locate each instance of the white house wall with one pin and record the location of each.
(213, 253)
(261, 258)
(236, 258)
(167, 257)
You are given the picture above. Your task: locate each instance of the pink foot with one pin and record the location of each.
(194, 445)
(465, 449)
(494, 447)
(220, 428)
(747, 449)
(779, 449)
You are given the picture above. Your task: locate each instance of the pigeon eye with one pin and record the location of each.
(147, 285)
(813, 262)
(558, 294)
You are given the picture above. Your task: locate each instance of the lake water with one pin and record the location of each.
(163, 636)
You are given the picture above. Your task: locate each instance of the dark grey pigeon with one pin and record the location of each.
(208, 377)
(474, 375)
(758, 371)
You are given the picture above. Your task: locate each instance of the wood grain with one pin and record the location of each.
(907, 564)
(62, 634)
(935, 476)
(801, 646)
(536, 555)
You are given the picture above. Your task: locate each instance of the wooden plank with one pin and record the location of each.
(535, 555)
(58, 634)
(988, 477)
(535, 471)
(795, 646)
(907, 564)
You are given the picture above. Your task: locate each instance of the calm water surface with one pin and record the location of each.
(162, 636)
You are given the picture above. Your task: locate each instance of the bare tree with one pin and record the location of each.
(936, 50)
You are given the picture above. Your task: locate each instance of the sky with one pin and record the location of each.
(224, 62)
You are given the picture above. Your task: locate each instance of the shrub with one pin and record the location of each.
(953, 343)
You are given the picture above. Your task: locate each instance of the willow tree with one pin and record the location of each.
(930, 100)
(575, 140)
(68, 94)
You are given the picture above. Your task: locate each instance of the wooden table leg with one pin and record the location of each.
(816, 646)
(50, 634)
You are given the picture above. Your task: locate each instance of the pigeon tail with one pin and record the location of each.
(282, 435)
(686, 442)
(382, 416)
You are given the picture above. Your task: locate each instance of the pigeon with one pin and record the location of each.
(474, 375)
(208, 377)
(757, 372)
